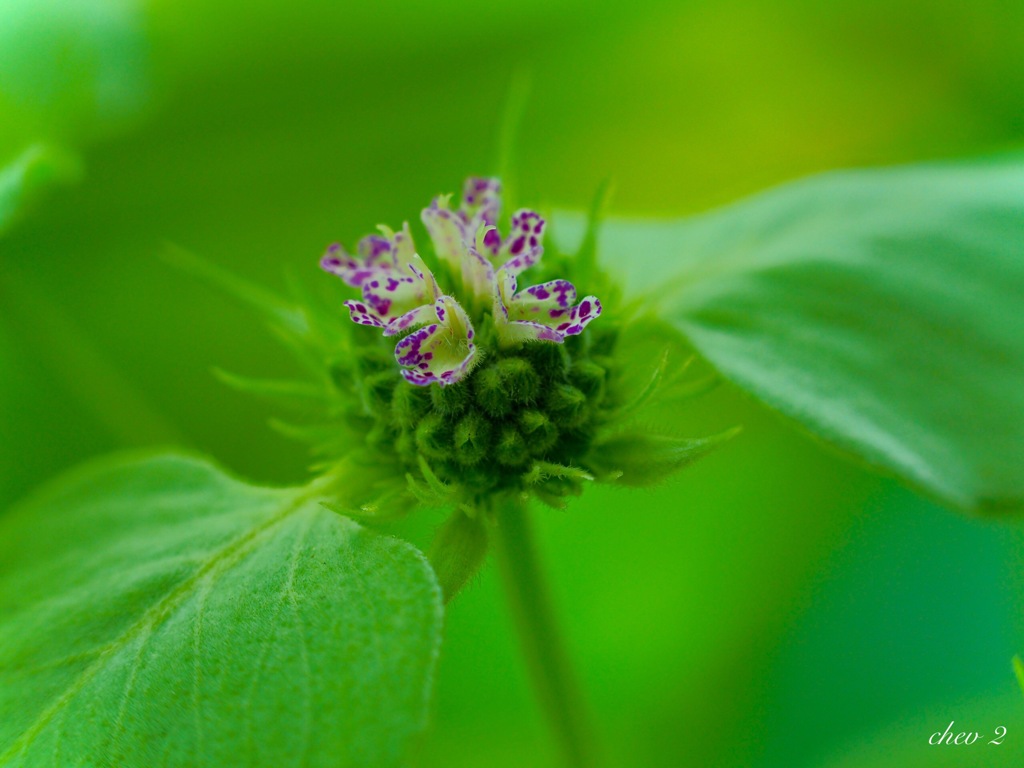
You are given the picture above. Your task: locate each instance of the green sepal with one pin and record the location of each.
(287, 392)
(639, 459)
(458, 551)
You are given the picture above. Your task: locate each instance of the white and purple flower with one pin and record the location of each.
(442, 352)
(400, 293)
(392, 278)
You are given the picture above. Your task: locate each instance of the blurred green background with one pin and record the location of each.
(775, 606)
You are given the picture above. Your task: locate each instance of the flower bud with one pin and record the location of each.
(433, 437)
(511, 449)
(569, 405)
(490, 392)
(549, 360)
(409, 405)
(540, 432)
(520, 380)
(506, 384)
(588, 377)
(377, 391)
(472, 439)
(451, 401)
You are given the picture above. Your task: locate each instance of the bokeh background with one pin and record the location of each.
(776, 605)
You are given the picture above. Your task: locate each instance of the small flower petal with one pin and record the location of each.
(382, 294)
(376, 250)
(354, 272)
(572, 321)
(481, 201)
(543, 298)
(524, 245)
(519, 316)
(447, 230)
(393, 279)
(405, 249)
(364, 315)
(410, 319)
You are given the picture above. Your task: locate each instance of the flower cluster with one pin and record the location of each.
(400, 292)
(526, 404)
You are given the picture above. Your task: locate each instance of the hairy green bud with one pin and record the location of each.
(510, 448)
(539, 431)
(434, 436)
(472, 438)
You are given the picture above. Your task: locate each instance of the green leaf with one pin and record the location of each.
(882, 310)
(157, 612)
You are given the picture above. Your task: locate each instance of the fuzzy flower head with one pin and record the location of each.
(475, 370)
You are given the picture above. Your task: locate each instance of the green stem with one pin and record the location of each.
(539, 637)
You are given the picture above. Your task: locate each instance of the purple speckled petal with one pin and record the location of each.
(515, 326)
(524, 245)
(380, 258)
(541, 302)
(481, 200)
(542, 312)
(363, 314)
(424, 378)
(338, 262)
(375, 249)
(410, 319)
(442, 352)
(392, 278)
(418, 378)
(572, 321)
(389, 249)
(491, 244)
(413, 349)
(392, 296)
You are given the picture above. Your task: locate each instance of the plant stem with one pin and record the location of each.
(546, 658)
